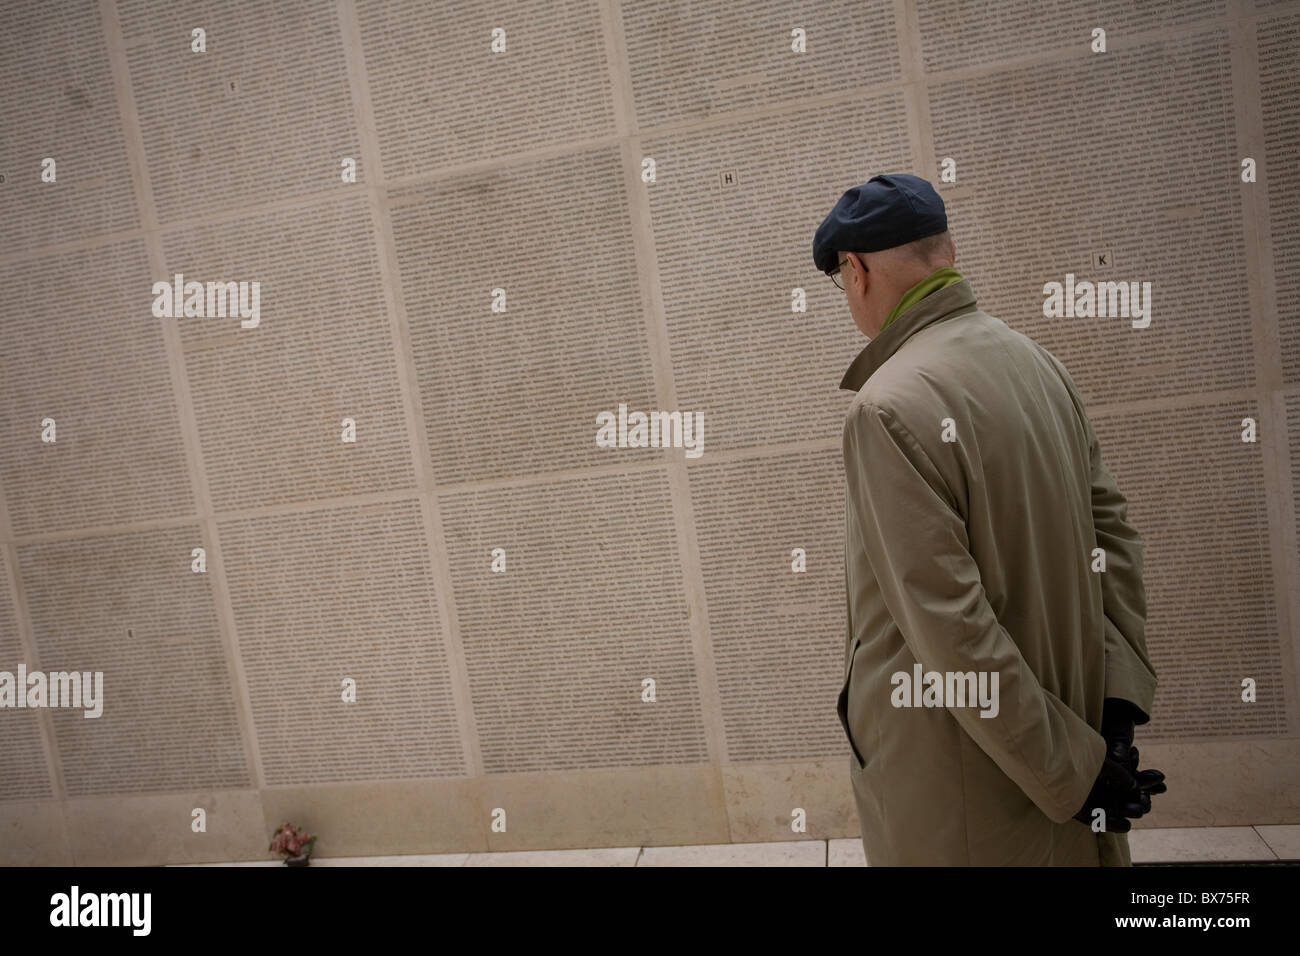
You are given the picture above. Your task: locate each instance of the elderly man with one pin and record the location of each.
(987, 547)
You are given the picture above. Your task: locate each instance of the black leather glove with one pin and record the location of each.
(1117, 720)
(1116, 792)
(1118, 717)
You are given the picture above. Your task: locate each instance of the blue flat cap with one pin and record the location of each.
(886, 211)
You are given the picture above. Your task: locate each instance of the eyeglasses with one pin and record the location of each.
(837, 278)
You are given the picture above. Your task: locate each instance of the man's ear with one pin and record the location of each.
(865, 270)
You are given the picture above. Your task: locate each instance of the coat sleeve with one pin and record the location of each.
(1129, 674)
(916, 542)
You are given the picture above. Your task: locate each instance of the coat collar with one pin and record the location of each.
(948, 301)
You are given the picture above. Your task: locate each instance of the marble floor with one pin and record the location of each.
(1259, 844)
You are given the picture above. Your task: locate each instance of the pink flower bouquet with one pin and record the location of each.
(293, 842)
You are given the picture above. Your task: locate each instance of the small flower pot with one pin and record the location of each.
(303, 859)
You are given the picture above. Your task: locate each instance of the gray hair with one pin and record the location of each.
(937, 250)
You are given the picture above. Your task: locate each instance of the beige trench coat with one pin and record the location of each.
(975, 554)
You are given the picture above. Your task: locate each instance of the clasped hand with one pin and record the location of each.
(1121, 791)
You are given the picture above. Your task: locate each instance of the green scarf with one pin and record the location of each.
(935, 281)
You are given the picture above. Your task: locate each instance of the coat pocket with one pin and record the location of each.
(842, 707)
